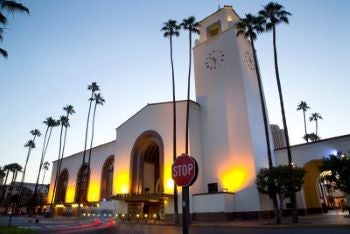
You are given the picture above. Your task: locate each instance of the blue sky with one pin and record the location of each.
(65, 45)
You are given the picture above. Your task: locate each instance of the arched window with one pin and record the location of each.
(82, 184)
(62, 187)
(107, 178)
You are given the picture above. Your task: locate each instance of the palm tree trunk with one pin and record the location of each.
(176, 209)
(92, 139)
(267, 137)
(46, 141)
(7, 174)
(289, 153)
(57, 171)
(307, 139)
(188, 90)
(316, 127)
(84, 153)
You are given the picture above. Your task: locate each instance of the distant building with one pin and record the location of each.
(279, 141)
(7, 191)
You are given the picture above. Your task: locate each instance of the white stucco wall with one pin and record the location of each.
(73, 163)
(303, 153)
(233, 138)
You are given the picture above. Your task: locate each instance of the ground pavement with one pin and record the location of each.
(71, 224)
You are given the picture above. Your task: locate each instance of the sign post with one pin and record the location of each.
(184, 173)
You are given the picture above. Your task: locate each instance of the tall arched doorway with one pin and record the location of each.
(147, 163)
(107, 178)
(62, 187)
(82, 184)
(310, 187)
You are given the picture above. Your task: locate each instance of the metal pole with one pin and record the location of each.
(185, 209)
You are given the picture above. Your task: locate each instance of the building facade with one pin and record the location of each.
(132, 175)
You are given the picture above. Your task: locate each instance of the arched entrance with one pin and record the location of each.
(107, 178)
(82, 184)
(62, 187)
(310, 187)
(147, 163)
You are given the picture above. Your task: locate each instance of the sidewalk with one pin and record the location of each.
(331, 219)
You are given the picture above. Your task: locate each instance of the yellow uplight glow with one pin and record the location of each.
(94, 191)
(168, 181)
(70, 194)
(235, 179)
(122, 182)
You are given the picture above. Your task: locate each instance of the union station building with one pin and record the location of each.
(132, 174)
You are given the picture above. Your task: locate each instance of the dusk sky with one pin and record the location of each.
(63, 46)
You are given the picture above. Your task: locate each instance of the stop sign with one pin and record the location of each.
(184, 170)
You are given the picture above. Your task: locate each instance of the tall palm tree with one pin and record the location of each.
(2, 173)
(50, 124)
(46, 167)
(304, 107)
(31, 145)
(6, 168)
(275, 14)
(315, 117)
(171, 29)
(64, 123)
(249, 27)
(63, 119)
(94, 88)
(189, 24)
(9, 7)
(99, 100)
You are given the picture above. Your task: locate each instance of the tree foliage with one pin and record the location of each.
(281, 181)
(339, 167)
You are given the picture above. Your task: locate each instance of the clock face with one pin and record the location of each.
(249, 61)
(214, 59)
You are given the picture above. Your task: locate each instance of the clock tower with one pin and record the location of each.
(232, 127)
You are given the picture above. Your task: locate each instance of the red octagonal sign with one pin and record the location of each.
(184, 170)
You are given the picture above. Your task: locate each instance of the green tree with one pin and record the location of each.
(275, 14)
(249, 27)
(171, 29)
(6, 8)
(50, 124)
(315, 117)
(189, 24)
(339, 166)
(282, 180)
(304, 107)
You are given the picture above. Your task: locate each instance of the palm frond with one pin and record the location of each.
(13, 7)
(3, 19)
(3, 53)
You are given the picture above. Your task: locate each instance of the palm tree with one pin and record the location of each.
(315, 117)
(50, 124)
(275, 14)
(46, 167)
(191, 26)
(249, 27)
(3, 52)
(2, 173)
(171, 29)
(9, 7)
(94, 88)
(303, 106)
(99, 100)
(64, 123)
